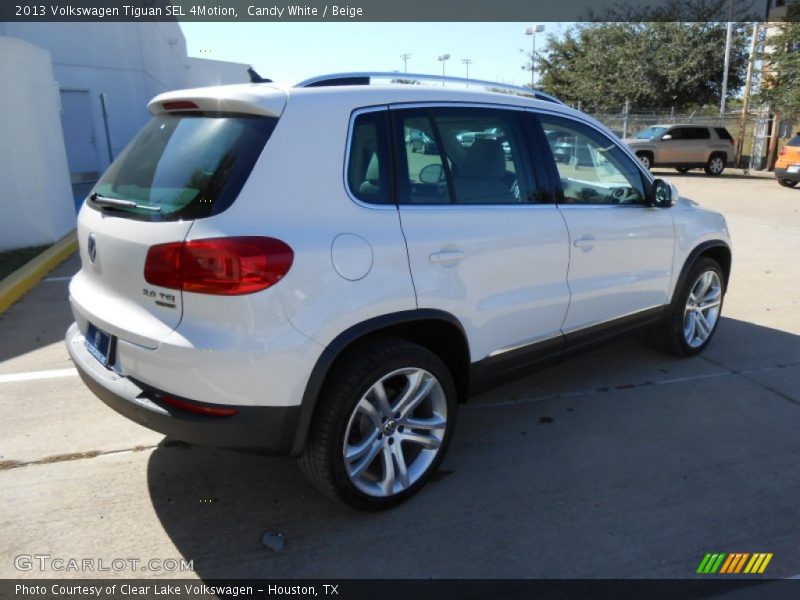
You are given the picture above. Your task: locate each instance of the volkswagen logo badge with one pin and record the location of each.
(92, 247)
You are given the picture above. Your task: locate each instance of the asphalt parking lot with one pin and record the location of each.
(619, 463)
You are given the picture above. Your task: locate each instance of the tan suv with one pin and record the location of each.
(684, 147)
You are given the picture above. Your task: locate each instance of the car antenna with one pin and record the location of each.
(255, 77)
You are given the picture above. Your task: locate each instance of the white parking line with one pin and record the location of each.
(34, 375)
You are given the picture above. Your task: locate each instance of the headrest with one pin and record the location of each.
(485, 158)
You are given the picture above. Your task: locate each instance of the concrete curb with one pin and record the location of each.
(13, 287)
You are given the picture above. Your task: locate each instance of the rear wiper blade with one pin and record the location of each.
(117, 203)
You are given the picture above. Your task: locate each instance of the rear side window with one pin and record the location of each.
(185, 166)
(368, 162)
(697, 133)
(462, 156)
(722, 133)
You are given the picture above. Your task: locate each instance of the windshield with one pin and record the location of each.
(188, 166)
(650, 133)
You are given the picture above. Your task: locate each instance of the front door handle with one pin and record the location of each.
(585, 242)
(446, 256)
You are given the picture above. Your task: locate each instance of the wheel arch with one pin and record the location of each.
(438, 331)
(717, 250)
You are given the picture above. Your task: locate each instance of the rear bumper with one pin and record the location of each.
(266, 430)
(784, 174)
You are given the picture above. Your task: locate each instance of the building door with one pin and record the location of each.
(79, 138)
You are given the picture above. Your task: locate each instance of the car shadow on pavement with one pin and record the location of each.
(622, 462)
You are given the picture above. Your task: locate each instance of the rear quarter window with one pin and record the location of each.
(722, 133)
(185, 166)
(368, 160)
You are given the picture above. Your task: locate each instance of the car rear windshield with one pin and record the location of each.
(184, 166)
(795, 141)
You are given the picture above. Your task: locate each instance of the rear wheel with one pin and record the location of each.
(787, 183)
(694, 313)
(646, 159)
(383, 425)
(715, 165)
(682, 169)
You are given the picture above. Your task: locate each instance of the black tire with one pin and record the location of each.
(787, 183)
(682, 169)
(669, 336)
(323, 461)
(646, 158)
(715, 165)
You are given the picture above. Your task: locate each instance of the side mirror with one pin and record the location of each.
(663, 194)
(666, 136)
(432, 174)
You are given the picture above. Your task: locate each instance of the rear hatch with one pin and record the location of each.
(189, 162)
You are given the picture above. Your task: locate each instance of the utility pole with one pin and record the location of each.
(405, 58)
(467, 62)
(728, 39)
(746, 97)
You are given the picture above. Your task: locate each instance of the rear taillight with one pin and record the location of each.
(782, 152)
(733, 142)
(222, 266)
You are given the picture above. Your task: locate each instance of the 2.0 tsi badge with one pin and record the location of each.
(91, 247)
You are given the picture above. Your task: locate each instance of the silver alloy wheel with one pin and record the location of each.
(645, 160)
(395, 432)
(702, 309)
(716, 165)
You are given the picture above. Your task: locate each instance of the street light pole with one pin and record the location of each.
(532, 31)
(405, 58)
(443, 58)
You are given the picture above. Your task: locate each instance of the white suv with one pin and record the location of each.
(277, 270)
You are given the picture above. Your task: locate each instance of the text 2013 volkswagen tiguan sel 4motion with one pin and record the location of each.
(280, 270)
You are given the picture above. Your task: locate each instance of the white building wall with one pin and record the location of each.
(36, 199)
(129, 62)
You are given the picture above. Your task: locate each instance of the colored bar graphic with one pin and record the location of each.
(765, 563)
(734, 562)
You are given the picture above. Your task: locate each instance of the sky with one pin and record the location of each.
(291, 52)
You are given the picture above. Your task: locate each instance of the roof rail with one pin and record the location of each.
(365, 78)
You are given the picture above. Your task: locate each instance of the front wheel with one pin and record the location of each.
(645, 158)
(694, 313)
(715, 165)
(787, 183)
(383, 425)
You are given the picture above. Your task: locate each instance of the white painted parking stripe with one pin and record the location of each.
(34, 375)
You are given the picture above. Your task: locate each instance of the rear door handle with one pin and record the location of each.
(446, 256)
(584, 242)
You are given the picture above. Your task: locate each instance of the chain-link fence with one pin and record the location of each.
(755, 138)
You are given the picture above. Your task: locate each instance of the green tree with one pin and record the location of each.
(654, 65)
(781, 84)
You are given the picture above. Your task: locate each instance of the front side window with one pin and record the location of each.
(368, 163)
(462, 156)
(651, 133)
(591, 167)
(185, 166)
